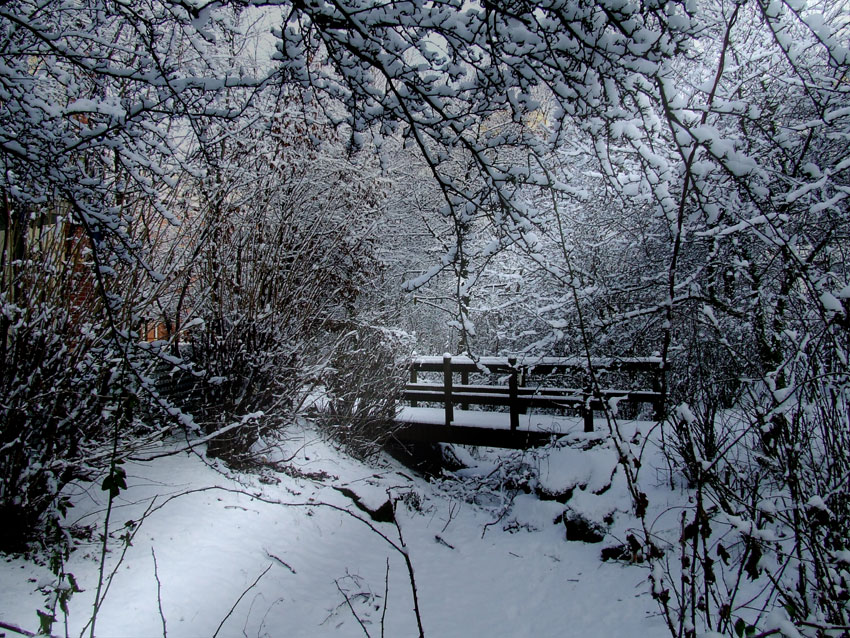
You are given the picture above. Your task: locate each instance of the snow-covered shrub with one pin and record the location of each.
(364, 383)
(759, 430)
(55, 376)
(759, 342)
(286, 248)
(50, 404)
(74, 375)
(276, 287)
(92, 123)
(492, 483)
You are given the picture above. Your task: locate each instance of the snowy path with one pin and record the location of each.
(518, 577)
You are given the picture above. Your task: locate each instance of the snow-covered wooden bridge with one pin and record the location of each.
(535, 397)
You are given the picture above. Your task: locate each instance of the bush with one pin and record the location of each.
(364, 385)
(276, 286)
(55, 379)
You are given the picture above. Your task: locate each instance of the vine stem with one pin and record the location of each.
(406, 554)
(105, 544)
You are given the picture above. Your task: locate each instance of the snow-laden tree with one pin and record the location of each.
(719, 130)
(100, 104)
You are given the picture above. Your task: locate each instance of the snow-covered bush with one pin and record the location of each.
(364, 383)
(276, 287)
(286, 248)
(60, 380)
(84, 121)
(757, 333)
(51, 397)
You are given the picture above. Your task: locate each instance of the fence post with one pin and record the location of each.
(586, 410)
(523, 382)
(512, 388)
(658, 404)
(413, 379)
(447, 386)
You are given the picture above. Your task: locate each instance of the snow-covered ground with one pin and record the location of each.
(287, 552)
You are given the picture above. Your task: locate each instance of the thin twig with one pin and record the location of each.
(825, 627)
(128, 542)
(351, 607)
(20, 630)
(453, 507)
(238, 600)
(406, 554)
(113, 491)
(195, 443)
(386, 596)
(159, 594)
(442, 541)
(281, 561)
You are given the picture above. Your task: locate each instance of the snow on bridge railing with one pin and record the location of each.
(537, 365)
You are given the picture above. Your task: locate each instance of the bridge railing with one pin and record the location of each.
(526, 384)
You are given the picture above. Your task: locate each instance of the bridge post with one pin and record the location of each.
(514, 394)
(586, 410)
(447, 385)
(658, 404)
(523, 380)
(414, 377)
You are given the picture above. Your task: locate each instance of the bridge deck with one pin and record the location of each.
(492, 429)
